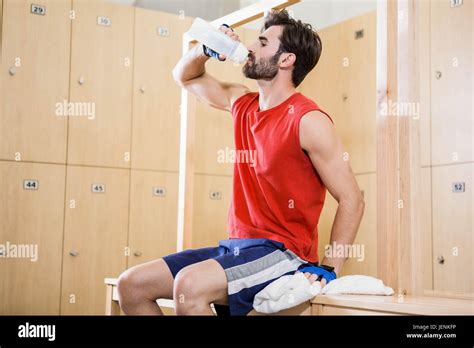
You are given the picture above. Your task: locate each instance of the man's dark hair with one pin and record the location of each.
(298, 38)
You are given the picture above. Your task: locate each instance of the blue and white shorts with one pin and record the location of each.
(249, 264)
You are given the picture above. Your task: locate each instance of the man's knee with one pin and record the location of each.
(128, 284)
(187, 291)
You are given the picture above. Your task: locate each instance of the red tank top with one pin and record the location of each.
(277, 192)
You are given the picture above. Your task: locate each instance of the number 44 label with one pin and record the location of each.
(29, 184)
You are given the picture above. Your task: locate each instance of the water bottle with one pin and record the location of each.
(216, 40)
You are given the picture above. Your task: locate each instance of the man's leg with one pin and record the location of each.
(140, 286)
(197, 286)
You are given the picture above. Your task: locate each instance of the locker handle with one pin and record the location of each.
(441, 259)
(74, 253)
(142, 89)
(12, 71)
(137, 253)
(81, 80)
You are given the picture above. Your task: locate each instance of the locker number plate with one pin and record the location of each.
(38, 9)
(30, 184)
(459, 187)
(359, 34)
(98, 188)
(162, 31)
(159, 191)
(456, 3)
(215, 194)
(104, 21)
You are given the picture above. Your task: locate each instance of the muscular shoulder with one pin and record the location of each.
(316, 131)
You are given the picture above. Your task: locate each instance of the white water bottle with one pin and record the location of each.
(217, 41)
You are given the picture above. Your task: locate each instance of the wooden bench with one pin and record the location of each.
(339, 305)
(389, 305)
(112, 306)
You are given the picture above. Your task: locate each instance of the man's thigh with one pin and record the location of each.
(182, 259)
(208, 280)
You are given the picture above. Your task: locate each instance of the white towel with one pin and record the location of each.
(292, 290)
(285, 292)
(358, 285)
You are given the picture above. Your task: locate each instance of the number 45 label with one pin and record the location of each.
(98, 188)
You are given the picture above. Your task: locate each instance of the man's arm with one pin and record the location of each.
(319, 139)
(190, 74)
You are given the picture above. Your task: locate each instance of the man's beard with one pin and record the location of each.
(264, 69)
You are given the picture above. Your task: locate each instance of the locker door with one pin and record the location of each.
(211, 204)
(451, 82)
(453, 261)
(324, 84)
(31, 219)
(426, 228)
(153, 215)
(359, 90)
(35, 80)
(95, 236)
(156, 97)
(101, 84)
(425, 82)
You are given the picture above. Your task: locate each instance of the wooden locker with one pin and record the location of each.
(343, 84)
(453, 262)
(426, 228)
(359, 97)
(324, 83)
(156, 97)
(425, 82)
(101, 81)
(451, 82)
(31, 218)
(35, 80)
(95, 236)
(211, 205)
(153, 215)
(1, 26)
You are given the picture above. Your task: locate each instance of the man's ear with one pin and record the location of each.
(287, 60)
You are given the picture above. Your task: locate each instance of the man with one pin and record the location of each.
(277, 197)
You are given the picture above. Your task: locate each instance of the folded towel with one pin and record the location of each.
(285, 292)
(292, 290)
(358, 285)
